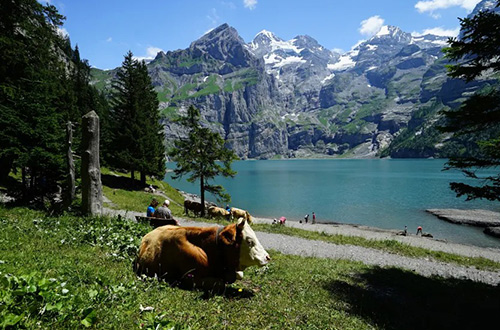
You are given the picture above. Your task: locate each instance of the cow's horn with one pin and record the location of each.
(241, 223)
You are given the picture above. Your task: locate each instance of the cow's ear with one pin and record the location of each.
(240, 224)
(227, 237)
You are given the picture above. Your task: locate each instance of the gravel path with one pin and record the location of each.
(425, 267)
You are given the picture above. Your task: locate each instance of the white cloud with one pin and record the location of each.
(250, 4)
(338, 50)
(371, 25)
(439, 31)
(431, 5)
(213, 17)
(62, 32)
(110, 39)
(150, 54)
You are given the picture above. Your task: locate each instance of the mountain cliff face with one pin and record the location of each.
(276, 98)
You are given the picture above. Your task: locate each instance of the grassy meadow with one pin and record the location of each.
(69, 272)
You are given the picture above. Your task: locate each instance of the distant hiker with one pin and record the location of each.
(228, 208)
(405, 232)
(419, 230)
(306, 217)
(314, 218)
(282, 221)
(151, 208)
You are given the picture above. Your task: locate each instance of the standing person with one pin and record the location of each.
(405, 232)
(151, 208)
(419, 230)
(314, 218)
(306, 217)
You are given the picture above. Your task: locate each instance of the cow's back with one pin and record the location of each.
(167, 253)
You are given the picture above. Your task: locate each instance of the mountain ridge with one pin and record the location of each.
(271, 98)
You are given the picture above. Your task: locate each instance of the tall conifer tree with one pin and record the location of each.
(32, 84)
(202, 156)
(137, 135)
(477, 52)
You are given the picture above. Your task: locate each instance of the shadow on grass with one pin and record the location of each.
(229, 293)
(121, 182)
(397, 299)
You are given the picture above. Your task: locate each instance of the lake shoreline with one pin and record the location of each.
(374, 233)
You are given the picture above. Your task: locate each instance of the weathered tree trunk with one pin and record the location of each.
(91, 170)
(143, 178)
(70, 180)
(202, 196)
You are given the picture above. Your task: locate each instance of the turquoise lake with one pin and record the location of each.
(384, 193)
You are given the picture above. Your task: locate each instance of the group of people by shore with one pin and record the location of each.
(282, 220)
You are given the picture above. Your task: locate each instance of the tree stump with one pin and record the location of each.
(91, 170)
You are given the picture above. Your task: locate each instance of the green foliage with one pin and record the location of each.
(202, 156)
(292, 292)
(137, 135)
(43, 84)
(103, 291)
(29, 296)
(476, 53)
(477, 48)
(32, 85)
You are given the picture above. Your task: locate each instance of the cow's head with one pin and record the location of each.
(252, 253)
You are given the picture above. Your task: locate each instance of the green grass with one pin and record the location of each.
(70, 272)
(390, 246)
(137, 199)
(208, 87)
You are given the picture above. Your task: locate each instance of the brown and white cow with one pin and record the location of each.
(239, 213)
(218, 212)
(203, 256)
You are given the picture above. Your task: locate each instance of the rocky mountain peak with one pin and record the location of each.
(389, 33)
(265, 36)
(223, 32)
(485, 5)
(224, 44)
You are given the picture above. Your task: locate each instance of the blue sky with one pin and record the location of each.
(106, 29)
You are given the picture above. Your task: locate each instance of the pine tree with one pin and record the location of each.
(32, 83)
(137, 135)
(476, 53)
(202, 156)
(152, 161)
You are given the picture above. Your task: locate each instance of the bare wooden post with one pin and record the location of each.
(70, 193)
(91, 170)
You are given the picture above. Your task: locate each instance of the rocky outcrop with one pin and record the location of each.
(475, 217)
(492, 231)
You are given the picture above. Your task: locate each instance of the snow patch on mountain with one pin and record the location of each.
(277, 61)
(345, 61)
(328, 78)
